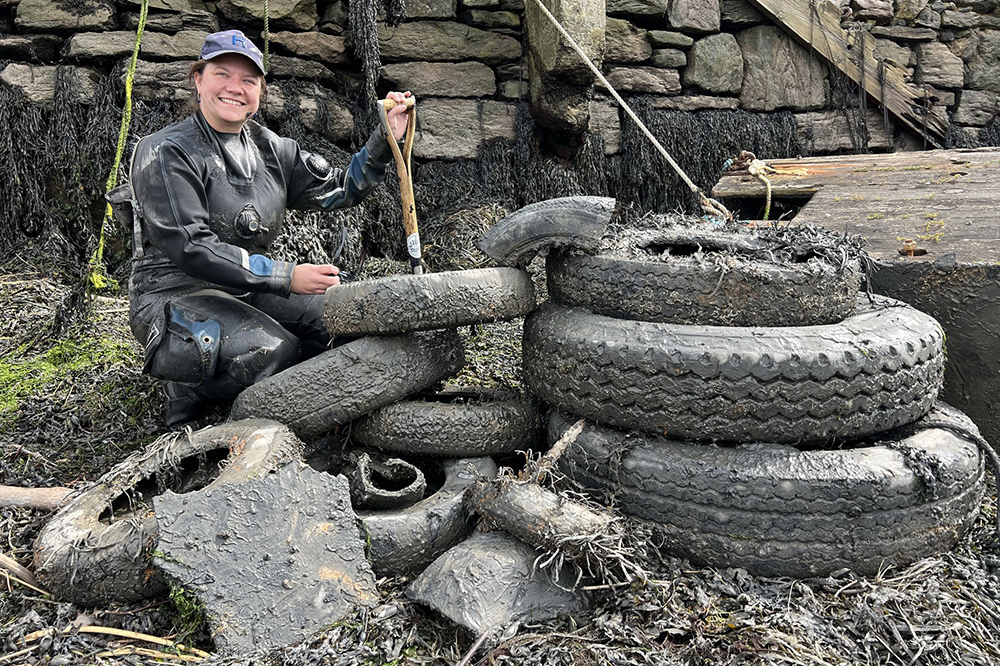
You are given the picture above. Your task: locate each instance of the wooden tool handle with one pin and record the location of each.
(391, 104)
(404, 172)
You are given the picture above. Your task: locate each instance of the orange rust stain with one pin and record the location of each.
(323, 527)
(326, 573)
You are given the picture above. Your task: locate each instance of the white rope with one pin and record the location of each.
(709, 205)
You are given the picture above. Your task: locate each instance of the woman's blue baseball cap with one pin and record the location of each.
(232, 41)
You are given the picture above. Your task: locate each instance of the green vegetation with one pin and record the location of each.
(189, 617)
(23, 375)
(933, 228)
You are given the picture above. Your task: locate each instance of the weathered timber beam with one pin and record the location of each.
(745, 186)
(804, 176)
(791, 178)
(816, 23)
(40, 499)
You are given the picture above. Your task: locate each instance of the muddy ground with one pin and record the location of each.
(73, 403)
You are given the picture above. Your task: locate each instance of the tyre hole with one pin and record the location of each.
(191, 473)
(464, 396)
(433, 472)
(450, 397)
(677, 249)
(431, 467)
(402, 478)
(804, 257)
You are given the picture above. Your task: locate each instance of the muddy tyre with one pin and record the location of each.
(778, 511)
(566, 222)
(878, 369)
(454, 423)
(98, 548)
(405, 541)
(743, 292)
(665, 270)
(406, 303)
(353, 379)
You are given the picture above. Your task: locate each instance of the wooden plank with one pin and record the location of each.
(803, 177)
(816, 23)
(41, 499)
(959, 226)
(945, 200)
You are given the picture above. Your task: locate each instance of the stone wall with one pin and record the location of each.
(508, 114)
(470, 62)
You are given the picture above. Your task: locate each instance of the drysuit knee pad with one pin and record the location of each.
(183, 348)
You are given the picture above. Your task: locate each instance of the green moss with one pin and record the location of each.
(23, 374)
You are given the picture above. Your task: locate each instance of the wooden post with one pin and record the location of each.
(816, 23)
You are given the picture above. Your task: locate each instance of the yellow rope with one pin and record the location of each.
(760, 169)
(97, 276)
(267, 38)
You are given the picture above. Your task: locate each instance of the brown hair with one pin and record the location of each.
(198, 67)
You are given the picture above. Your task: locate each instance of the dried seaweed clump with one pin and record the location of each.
(664, 236)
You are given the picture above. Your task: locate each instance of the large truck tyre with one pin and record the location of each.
(779, 511)
(878, 369)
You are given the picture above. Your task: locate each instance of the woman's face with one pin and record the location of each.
(229, 88)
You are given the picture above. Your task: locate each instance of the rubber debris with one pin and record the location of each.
(568, 222)
(387, 483)
(273, 560)
(490, 581)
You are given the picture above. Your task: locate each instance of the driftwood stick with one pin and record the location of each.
(548, 461)
(11, 565)
(14, 655)
(121, 633)
(14, 571)
(40, 499)
(472, 650)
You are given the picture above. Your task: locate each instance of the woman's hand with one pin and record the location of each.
(397, 114)
(314, 278)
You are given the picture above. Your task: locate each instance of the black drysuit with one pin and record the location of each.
(214, 313)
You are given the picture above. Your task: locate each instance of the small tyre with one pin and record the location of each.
(406, 303)
(878, 369)
(405, 541)
(725, 282)
(353, 379)
(98, 548)
(778, 511)
(454, 423)
(567, 222)
(385, 483)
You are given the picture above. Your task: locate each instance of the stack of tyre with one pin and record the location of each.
(417, 447)
(742, 396)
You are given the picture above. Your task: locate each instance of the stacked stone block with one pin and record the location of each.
(471, 62)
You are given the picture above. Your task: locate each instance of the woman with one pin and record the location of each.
(214, 312)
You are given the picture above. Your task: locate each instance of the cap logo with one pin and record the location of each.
(231, 41)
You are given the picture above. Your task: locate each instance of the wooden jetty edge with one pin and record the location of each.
(945, 200)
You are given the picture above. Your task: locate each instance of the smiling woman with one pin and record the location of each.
(214, 312)
(229, 91)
